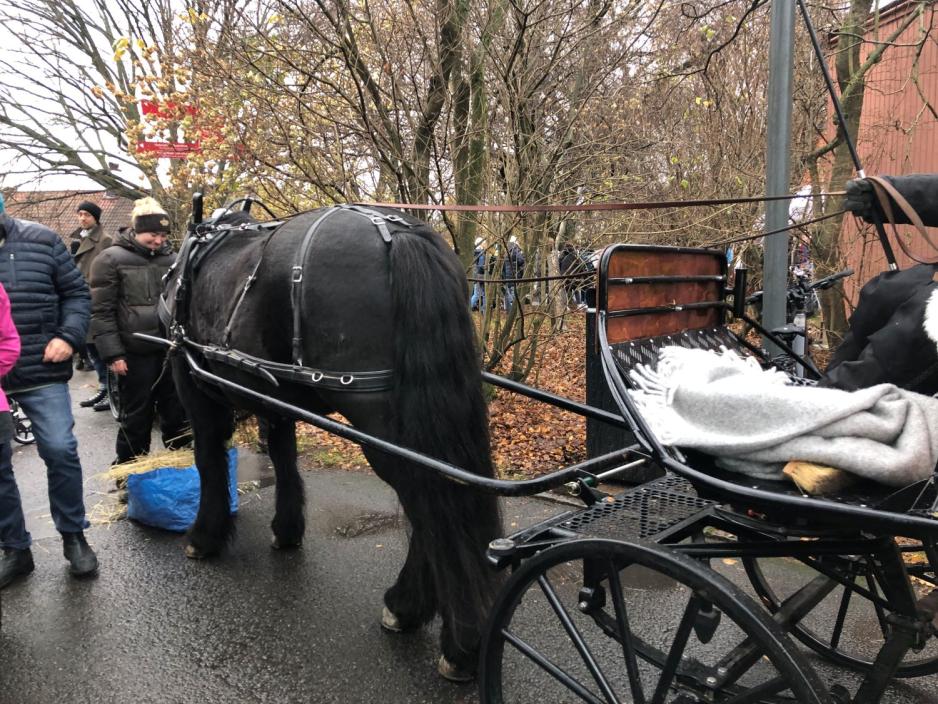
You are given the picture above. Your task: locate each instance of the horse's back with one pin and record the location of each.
(332, 263)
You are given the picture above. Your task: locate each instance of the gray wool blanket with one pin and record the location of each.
(753, 421)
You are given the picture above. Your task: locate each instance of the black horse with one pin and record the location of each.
(340, 293)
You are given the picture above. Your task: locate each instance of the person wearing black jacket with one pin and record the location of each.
(893, 333)
(91, 241)
(125, 288)
(50, 307)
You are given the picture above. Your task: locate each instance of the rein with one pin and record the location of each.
(596, 207)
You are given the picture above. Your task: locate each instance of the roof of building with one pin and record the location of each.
(58, 210)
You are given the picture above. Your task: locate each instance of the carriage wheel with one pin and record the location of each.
(829, 628)
(669, 630)
(113, 394)
(22, 425)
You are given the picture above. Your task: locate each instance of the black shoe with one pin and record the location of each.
(101, 395)
(79, 365)
(102, 405)
(82, 560)
(13, 564)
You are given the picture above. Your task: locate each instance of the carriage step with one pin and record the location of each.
(651, 510)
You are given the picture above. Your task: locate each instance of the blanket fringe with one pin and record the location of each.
(676, 365)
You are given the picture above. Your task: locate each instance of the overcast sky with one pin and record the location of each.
(11, 167)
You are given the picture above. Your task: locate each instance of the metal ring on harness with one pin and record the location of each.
(346, 379)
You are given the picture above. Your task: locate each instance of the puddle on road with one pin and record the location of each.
(256, 469)
(366, 523)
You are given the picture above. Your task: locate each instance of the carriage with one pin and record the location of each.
(680, 546)
(700, 585)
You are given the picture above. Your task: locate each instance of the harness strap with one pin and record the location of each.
(378, 219)
(296, 280)
(318, 378)
(271, 371)
(882, 187)
(252, 277)
(180, 311)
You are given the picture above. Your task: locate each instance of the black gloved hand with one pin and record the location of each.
(860, 199)
(920, 190)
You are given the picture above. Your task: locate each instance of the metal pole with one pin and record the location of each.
(777, 172)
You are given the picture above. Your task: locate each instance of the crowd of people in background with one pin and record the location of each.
(576, 265)
(88, 300)
(485, 263)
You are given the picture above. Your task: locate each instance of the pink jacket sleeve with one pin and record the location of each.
(9, 338)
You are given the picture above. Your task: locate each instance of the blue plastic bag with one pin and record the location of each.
(168, 498)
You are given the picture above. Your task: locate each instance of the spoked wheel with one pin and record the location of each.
(607, 621)
(838, 627)
(22, 425)
(113, 394)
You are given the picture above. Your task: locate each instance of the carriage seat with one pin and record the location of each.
(651, 297)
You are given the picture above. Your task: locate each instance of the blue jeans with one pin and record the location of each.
(478, 296)
(50, 410)
(100, 367)
(509, 292)
(13, 532)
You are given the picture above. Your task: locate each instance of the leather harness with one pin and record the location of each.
(197, 248)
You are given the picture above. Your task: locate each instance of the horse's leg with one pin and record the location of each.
(289, 523)
(461, 527)
(436, 560)
(411, 601)
(212, 426)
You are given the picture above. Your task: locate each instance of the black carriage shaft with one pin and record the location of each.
(555, 400)
(525, 487)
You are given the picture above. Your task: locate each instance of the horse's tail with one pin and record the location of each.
(441, 411)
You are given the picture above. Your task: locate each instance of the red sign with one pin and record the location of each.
(169, 150)
(209, 130)
(167, 110)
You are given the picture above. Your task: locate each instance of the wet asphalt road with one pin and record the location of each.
(257, 625)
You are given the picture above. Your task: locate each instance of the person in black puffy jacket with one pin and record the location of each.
(126, 280)
(893, 335)
(50, 307)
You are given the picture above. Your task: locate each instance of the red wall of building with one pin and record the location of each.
(898, 130)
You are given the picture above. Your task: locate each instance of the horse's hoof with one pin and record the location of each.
(452, 672)
(193, 553)
(278, 544)
(390, 622)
